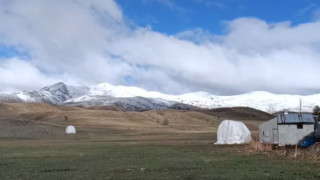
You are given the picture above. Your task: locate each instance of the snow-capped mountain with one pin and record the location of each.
(133, 98)
(60, 92)
(98, 95)
(55, 94)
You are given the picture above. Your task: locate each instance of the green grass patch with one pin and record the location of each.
(146, 161)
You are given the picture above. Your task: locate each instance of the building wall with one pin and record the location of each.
(267, 131)
(289, 134)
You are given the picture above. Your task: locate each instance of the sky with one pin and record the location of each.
(224, 47)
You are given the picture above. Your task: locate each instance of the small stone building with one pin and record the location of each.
(286, 128)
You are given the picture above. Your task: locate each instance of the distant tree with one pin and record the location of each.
(316, 110)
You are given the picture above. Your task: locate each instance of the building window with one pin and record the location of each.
(300, 126)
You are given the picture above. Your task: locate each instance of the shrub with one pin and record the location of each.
(165, 122)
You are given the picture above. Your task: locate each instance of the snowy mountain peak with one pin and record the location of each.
(63, 92)
(59, 85)
(58, 90)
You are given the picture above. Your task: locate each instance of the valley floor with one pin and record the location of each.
(144, 160)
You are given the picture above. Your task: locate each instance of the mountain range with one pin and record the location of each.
(137, 99)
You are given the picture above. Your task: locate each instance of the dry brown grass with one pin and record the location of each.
(260, 147)
(312, 152)
(293, 152)
(43, 121)
(34, 120)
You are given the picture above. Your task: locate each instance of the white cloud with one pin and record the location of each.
(256, 35)
(197, 35)
(19, 74)
(87, 42)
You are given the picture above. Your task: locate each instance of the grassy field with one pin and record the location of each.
(113, 144)
(101, 160)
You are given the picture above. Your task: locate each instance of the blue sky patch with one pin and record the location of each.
(128, 80)
(174, 16)
(11, 51)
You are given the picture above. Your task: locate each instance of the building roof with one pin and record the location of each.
(295, 118)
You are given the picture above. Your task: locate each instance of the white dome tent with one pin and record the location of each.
(233, 132)
(70, 130)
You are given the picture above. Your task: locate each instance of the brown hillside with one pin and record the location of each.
(43, 121)
(239, 113)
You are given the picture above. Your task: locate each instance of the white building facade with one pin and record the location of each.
(286, 129)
